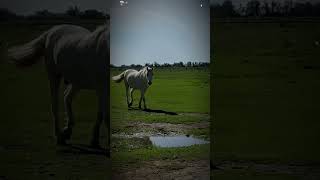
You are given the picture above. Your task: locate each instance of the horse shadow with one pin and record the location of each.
(155, 111)
(82, 149)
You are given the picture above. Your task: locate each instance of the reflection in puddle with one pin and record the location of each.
(175, 141)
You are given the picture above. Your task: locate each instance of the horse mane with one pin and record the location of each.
(98, 32)
(101, 37)
(143, 72)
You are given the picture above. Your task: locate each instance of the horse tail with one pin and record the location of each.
(119, 77)
(29, 53)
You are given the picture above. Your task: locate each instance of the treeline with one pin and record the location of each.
(165, 65)
(72, 12)
(257, 8)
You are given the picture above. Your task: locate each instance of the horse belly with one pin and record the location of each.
(83, 72)
(134, 83)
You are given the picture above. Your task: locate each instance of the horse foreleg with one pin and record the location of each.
(69, 93)
(144, 102)
(127, 88)
(54, 89)
(141, 97)
(131, 94)
(102, 107)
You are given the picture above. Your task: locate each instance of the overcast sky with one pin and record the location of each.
(30, 6)
(145, 31)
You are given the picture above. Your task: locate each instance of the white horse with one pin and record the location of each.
(81, 58)
(133, 80)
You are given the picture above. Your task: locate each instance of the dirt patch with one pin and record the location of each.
(166, 169)
(119, 143)
(149, 129)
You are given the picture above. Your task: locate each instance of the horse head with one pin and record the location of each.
(149, 75)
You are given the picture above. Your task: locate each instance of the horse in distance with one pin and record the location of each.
(133, 80)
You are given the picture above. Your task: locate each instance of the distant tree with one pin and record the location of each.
(253, 8)
(275, 9)
(266, 8)
(73, 11)
(189, 64)
(43, 14)
(92, 14)
(227, 8)
(215, 10)
(6, 14)
(287, 7)
(241, 10)
(155, 64)
(302, 9)
(166, 65)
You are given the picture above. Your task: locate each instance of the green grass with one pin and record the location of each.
(27, 141)
(185, 92)
(265, 101)
(265, 89)
(173, 90)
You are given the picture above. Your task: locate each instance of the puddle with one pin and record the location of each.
(176, 141)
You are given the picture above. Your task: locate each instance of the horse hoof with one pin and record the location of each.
(95, 144)
(61, 141)
(108, 152)
(66, 133)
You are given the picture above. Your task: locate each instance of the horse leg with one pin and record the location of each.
(127, 88)
(54, 90)
(69, 93)
(131, 93)
(141, 97)
(102, 106)
(144, 102)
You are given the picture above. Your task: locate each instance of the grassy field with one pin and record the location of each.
(28, 149)
(266, 96)
(185, 92)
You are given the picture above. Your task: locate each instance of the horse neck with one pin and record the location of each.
(142, 73)
(100, 39)
(98, 33)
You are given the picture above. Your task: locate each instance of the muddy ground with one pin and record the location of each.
(166, 169)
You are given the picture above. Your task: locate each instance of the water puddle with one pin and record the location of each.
(176, 141)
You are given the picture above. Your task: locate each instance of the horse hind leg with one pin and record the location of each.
(54, 90)
(69, 94)
(131, 95)
(127, 88)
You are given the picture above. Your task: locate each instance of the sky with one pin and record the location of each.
(166, 31)
(26, 7)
